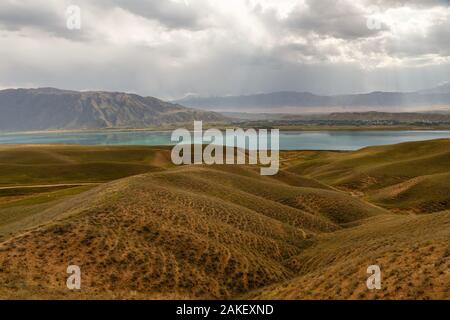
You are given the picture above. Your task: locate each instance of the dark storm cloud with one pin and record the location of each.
(39, 16)
(338, 19)
(411, 3)
(172, 14)
(15, 15)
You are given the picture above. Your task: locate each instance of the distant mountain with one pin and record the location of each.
(441, 89)
(388, 116)
(264, 100)
(49, 108)
(371, 116)
(289, 101)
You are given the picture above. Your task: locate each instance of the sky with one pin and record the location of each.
(172, 48)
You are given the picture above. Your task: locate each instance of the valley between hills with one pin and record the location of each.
(141, 228)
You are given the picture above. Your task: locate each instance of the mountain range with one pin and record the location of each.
(49, 108)
(291, 101)
(55, 109)
(369, 116)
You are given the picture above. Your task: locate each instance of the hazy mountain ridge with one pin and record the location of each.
(370, 116)
(404, 117)
(376, 100)
(49, 108)
(389, 116)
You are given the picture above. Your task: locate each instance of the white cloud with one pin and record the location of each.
(170, 47)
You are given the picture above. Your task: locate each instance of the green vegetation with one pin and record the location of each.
(37, 165)
(34, 178)
(19, 213)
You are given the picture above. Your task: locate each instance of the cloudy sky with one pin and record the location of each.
(170, 48)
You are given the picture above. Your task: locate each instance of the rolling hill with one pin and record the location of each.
(48, 108)
(224, 232)
(162, 234)
(409, 177)
(412, 252)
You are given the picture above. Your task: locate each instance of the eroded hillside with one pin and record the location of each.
(227, 232)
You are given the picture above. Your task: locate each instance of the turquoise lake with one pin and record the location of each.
(292, 140)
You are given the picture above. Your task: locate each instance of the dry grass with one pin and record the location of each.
(49, 164)
(227, 232)
(408, 177)
(412, 252)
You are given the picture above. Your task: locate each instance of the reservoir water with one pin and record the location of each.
(289, 140)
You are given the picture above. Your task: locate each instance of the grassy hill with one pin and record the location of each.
(409, 177)
(423, 194)
(412, 252)
(155, 231)
(35, 165)
(34, 178)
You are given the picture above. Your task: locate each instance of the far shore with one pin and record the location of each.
(285, 128)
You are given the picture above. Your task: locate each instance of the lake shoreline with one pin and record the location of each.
(281, 128)
(343, 140)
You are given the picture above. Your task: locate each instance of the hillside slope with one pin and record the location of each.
(58, 164)
(423, 194)
(413, 254)
(411, 176)
(48, 108)
(171, 233)
(34, 178)
(223, 232)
